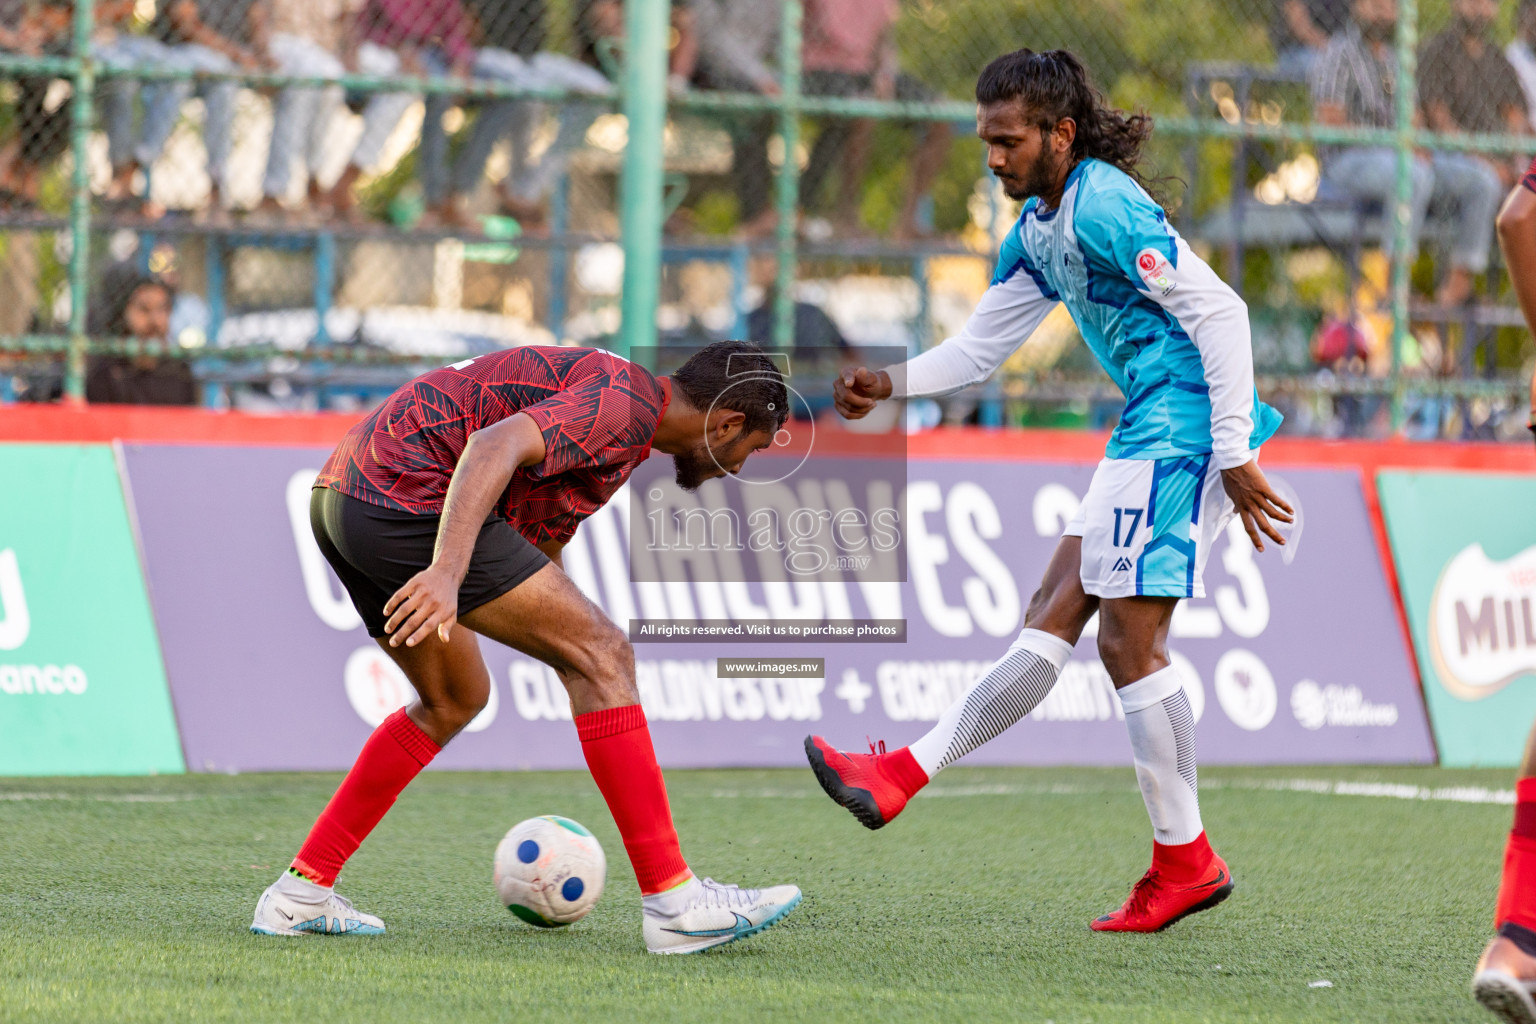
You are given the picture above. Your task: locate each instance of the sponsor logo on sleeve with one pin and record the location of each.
(1155, 271)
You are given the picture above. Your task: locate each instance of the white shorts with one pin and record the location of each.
(1148, 526)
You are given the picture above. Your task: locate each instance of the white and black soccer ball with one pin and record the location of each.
(550, 871)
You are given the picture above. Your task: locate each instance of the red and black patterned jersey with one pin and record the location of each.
(598, 414)
(1529, 181)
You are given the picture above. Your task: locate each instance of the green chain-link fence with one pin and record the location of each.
(340, 192)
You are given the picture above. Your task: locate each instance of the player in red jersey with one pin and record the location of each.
(1505, 978)
(444, 514)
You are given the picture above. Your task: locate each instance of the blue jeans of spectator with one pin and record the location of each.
(118, 94)
(163, 100)
(529, 180)
(301, 118)
(1475, 190)
(1369, 174)
(385, 109)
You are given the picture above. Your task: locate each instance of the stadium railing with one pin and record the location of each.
(649, 228)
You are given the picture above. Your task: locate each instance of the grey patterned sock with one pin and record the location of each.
(1010, 690)
(1162, 728)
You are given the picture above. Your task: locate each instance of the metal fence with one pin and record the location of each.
(281, 204)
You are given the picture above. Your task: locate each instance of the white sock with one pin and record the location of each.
(1162, 728)
(670, 902)
(1011, 688)
(302, 889)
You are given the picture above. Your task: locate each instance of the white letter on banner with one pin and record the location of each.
(603, 529)
(1249, 615)
(13, 600)
(1200, 622)
(991, 595)
(1055, 505)
(335, 612)
(925, 553)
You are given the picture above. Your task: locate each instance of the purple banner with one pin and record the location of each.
(270, 668)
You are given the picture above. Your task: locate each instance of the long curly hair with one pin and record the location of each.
(1054, 85)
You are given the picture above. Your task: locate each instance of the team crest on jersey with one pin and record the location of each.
(1153, 267)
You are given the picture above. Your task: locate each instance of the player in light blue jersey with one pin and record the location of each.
(1182, 462)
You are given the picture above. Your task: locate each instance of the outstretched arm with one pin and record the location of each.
(1004, 319)
(429, 601)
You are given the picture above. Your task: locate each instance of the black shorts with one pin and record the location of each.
(375, 550)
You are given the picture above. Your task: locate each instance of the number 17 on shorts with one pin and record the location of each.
(1148, 526)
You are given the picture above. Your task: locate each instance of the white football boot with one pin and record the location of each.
(704, 913)
(281, 912)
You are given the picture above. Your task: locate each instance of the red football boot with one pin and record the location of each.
(874, 786)
(1183, 880)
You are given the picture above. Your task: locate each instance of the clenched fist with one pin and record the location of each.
(856, 391)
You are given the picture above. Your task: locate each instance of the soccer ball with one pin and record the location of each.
(550, 871)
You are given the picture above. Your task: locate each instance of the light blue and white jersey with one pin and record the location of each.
(1169, 332)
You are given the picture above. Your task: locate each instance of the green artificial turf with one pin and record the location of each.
(129, 899)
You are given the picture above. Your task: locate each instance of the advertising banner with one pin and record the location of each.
(1465, 549)
(270, 667)
(82, 690)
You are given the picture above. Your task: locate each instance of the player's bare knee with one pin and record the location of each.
(613, 668)
(602, 664)
(1063, 615)
(1117, 653)
(457, 708)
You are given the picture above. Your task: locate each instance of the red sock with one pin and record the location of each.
(1517, 892)
(1184, 862)
(902, 768)
(617, 746)
(396, 752)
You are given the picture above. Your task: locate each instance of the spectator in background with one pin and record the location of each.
(1353, 82)
(219, 36)
(137, 305)
(1301, 29)
(738, 49)
(1522, 58)
(815, 333)
(600, 34)
(600, 39)
(42, 135)
(850, 50)
(1466, 85)
(404, 37)
(130, 148)
(304, 38)
(513, 33)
